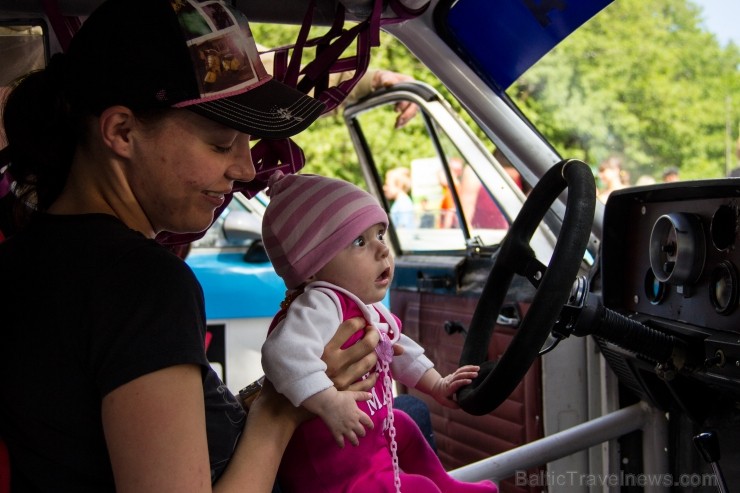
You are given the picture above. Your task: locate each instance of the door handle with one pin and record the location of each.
(509, 316)
(507, 321)
(455, 326)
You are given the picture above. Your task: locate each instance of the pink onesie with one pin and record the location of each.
(313, 463)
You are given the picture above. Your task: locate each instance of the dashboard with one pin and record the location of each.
(670, 260)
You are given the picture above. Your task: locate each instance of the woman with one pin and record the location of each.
(104, 383)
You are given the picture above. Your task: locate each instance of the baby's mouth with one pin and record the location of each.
(384, 275)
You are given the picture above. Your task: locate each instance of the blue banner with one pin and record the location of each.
(504, 38)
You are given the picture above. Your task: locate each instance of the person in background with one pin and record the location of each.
(511, 170)
(645, 180)
(376, 79)
(447, 208)
(396, 189)
(112, 143)
(671, 174)
(612, 177)
(427, 219)
(479, 209)
(336, 264)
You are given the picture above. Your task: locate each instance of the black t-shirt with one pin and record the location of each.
(87, 305)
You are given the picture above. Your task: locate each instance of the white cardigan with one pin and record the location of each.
(291, 355)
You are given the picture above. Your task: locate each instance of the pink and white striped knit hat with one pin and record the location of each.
(310, 219)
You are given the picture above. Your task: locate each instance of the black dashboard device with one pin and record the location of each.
(670, 260)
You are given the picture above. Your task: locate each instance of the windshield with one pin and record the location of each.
(643, 92)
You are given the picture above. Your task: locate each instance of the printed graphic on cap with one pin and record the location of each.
(192, 22)
(221, 47)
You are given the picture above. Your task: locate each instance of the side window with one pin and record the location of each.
(435, 199)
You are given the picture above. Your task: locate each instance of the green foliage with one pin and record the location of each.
(665, 86)
(670, 93)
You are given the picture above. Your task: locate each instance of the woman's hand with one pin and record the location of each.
(346, 366)
(273, 419)
(269, 401)
(270, 424)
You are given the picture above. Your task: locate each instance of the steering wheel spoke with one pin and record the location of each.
(534, 271)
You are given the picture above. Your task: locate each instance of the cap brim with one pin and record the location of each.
(272, 110)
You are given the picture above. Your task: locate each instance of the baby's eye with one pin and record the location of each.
(381, 235)
(359, 241)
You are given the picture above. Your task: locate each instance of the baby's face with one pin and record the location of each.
(365, 267)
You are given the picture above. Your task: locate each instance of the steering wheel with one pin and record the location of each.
(497, 379)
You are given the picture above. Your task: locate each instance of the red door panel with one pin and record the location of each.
(462, 438)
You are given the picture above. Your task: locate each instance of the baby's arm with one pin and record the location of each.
(443, 388)
(291, 355)
(415, 370)
(338, 409)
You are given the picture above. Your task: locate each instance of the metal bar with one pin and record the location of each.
(558, 445)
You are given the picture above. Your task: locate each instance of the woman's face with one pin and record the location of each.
(182, 167)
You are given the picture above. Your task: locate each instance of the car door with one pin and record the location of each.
(463, 199)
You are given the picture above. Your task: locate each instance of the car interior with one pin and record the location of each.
(607, 333)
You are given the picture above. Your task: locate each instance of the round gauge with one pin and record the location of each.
(723, 288)
(723, 227)
(655, 290)
(677, 248)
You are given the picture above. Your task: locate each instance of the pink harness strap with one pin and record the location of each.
(385, 356)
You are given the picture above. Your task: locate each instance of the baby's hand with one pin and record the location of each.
(445, 388)
(338, 409)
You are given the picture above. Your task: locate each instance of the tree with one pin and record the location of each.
(664, 84)
(642, 79)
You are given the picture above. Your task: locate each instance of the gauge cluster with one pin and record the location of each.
(671, 259)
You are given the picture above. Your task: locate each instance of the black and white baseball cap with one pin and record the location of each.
(199, 55)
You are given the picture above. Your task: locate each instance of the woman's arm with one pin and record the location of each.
(156, 433)
(271, 422)
(344, 367)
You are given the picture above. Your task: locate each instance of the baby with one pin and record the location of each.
(326, 239)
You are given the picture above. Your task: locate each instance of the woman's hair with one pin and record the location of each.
(42, 132)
